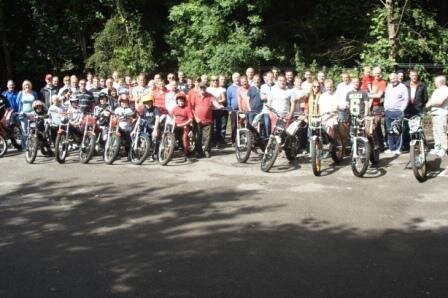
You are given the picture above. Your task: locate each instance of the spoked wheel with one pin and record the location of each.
(61, 148)
(16, 137)
(270, 154)
(316, 156)
(112, 149)
(3, 146)
(31, 149)
(242, 151)
(87, 148)
(360, 162)
(418, 160)
(140, 149)
(338, 147)
(291, 148)
(166, 148)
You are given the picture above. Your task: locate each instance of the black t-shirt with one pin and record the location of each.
(150, 115)
(357, 101)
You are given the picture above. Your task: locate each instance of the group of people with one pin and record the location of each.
(205, 105)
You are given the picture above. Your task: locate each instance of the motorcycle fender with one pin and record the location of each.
(413, 142)
(60, 131)
(314, 138)
(279, 139)
(92, 133)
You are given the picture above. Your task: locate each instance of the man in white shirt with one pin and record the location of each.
(439, 110)
(342, 90)
(282, 100)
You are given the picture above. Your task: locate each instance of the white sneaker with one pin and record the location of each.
(388, 152)
(396, 152)
(433, 151)
(441, 153)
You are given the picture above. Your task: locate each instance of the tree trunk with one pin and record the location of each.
(391, 29)
(82, 44)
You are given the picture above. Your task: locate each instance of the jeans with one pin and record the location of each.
(233, 125)
(24, 123)
(393, 140)
(219, 126)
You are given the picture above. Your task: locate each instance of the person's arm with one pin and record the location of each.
(405, 100)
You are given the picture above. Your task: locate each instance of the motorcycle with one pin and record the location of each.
(290, 139)
(319, 138)
(247, 137)
(115, 137)
(418, 147)
(365, 147)
(38, 137)
(87, 148)
(66, 138)
(142, 144)
(9, 131)
(168, 141)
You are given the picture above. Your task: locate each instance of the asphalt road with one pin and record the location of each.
(217, 228)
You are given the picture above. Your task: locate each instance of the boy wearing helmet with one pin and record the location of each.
(126, 117)
(183, 118)
(75, 115)
(150, 113)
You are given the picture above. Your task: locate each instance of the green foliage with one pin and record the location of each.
(216, 36)
(420, 39)
(122, 46)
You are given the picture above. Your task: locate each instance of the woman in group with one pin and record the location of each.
(25, 99)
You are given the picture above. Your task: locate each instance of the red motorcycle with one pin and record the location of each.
(9, 131)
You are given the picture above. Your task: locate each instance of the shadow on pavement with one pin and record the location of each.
(61, 240)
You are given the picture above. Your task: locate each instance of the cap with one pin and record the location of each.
(147, 98)
(181, 95)
(202, 86)
(48, 77)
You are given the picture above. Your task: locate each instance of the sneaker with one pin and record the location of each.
(396, 152)
(441, 153)
(388, 152)
(207, 154)
(434, 151)
(188, 160)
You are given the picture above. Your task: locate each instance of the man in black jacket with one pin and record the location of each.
(48, 91)
(418, 96)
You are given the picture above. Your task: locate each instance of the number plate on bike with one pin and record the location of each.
(292, 128)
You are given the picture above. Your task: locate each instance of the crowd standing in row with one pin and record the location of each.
(206, 104)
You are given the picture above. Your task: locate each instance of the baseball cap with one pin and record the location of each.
(48, 77)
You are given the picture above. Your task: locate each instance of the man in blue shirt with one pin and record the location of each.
(11, 96)
(232, 103)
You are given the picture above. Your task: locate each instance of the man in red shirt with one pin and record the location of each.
(183, 118)
(202, 110)
(158, 94)
(376, 99)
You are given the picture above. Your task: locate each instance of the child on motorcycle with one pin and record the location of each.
(102, 113)
(183, 119)
(126, 118)
(151, 118)
(75, 116)
(54, 113)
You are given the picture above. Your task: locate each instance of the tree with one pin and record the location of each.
(415, 37)
(216, 36)
(122, 45)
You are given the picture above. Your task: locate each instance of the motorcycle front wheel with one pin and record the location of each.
(87, 148)
(270, 155)
(3, 146)
(418, 160)
(360, 163)
(166, 148)
(61, 148)
(140, 149)
(31, 149)
(112, 149)
(242, 152)
(316, 153)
